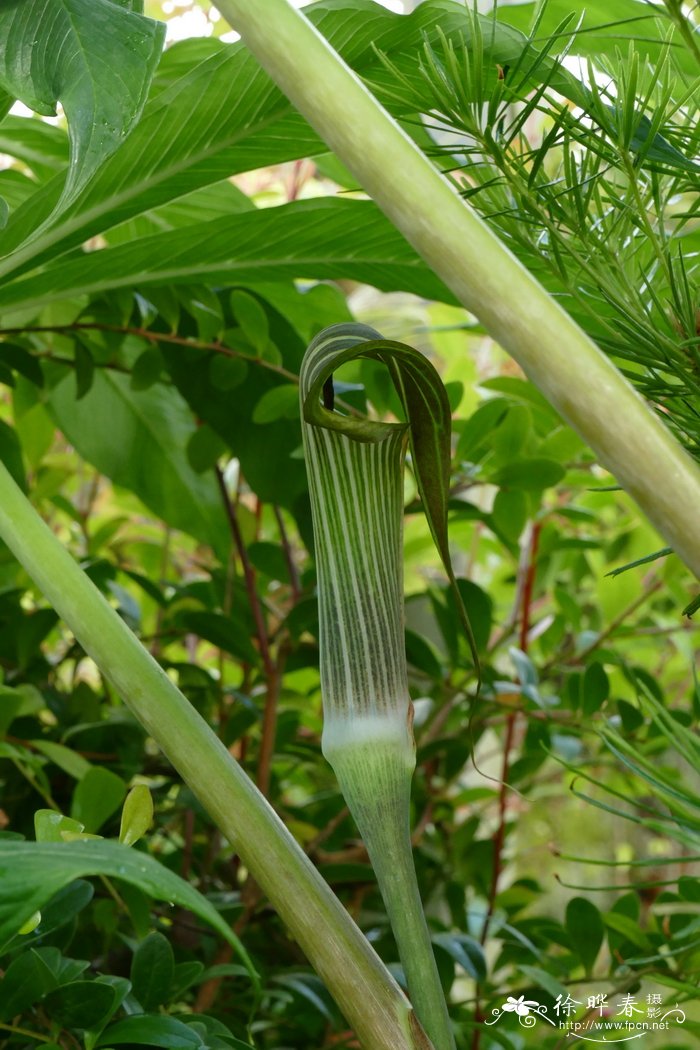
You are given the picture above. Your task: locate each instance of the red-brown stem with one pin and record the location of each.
(249, 578)
(271, 669)
(151, 337)
(288, 556)
(530, 572)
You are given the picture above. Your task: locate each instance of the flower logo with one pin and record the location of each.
(520, 1006)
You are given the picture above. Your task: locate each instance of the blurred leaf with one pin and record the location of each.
(152, 971)
(585, 929)
(157, 1030)
(81, 1004)
(465, 951)
(96, 797)
(535, 474)
(35, 871)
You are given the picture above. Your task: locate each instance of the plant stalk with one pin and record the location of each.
(559, 358)
(368, 997)
(356, 489)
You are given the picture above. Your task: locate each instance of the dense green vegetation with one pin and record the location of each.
(170, 246)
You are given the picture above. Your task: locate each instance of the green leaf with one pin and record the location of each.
(49, 826)
(427, 410)
(152, 971)
(138, 439)
(64, 757)
(322, 238)
(39, 145)
(32, 872)
(663, 553)
(80, 1004)
(226, 632)
(629, 929)
(10, 704)
(204, 449)
(54, 50)
(282, 402)
(157, 1030)
(529, 474)
(585, 929)
(11, 454)
(596, 688)
(137, 815)
(465, 951)
(509, 513)
(252, 318)
(603, 29)
(26, 980)
(97, 796)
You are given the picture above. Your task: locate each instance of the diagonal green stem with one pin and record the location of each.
(561, 360)
(369, 998)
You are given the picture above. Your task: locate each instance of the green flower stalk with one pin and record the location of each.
(355, 469)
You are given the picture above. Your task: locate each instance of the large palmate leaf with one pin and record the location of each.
(138, 439)
(95, 57)
(321, 238)
(31, 873)
(214, 112)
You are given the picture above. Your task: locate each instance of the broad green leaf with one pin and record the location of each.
(585, 929)
(32, 872)
(628, 928)
(26, 980)
(55, 51)
(535, 474)
(230, 632)
(605, 25)
(64, 757)
(323, 238)
(41, 146)
(236, 119)
(137, 815)
(10, 704)
(50, 826)
(80, 1004)
(152, 971)
(97, 796)
(596, 688)
(465, 951)
(138, 439)
(155, 1030)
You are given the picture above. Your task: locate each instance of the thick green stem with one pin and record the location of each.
(371, 1001)
(374, 769)
(560, 359)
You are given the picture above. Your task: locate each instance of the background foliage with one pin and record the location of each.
(158, 292)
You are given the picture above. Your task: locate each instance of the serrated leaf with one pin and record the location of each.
(54, 51)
